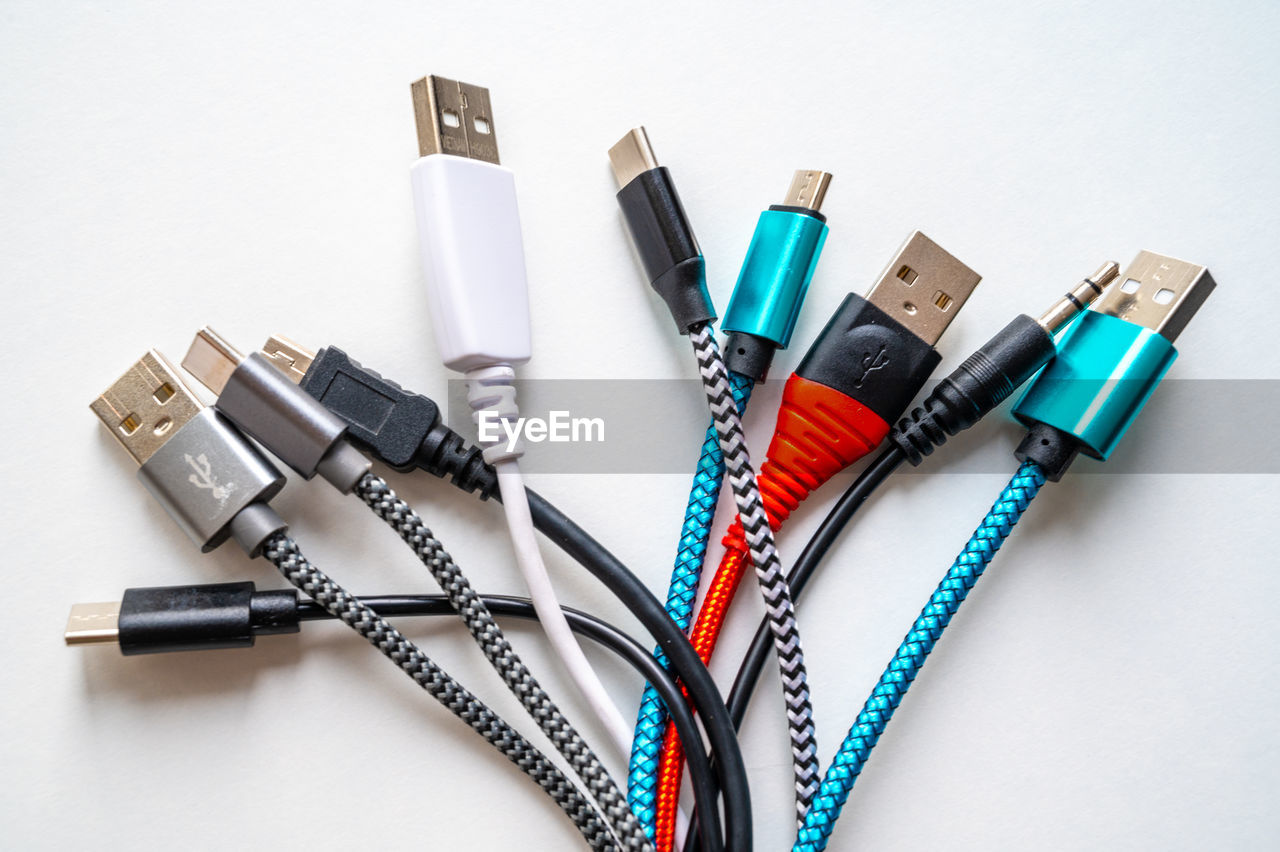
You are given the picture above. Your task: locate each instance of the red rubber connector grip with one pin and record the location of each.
(820, 431)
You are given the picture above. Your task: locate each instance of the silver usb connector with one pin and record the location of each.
(93, 624)
(292, 359)
(454, 118)
(632, 156)
(924, 287)
(808, 189)
(1158, 292)
(147, 406)
(196, 465)
(266, 402)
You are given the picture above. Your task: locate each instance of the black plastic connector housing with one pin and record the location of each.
(378, 413)
(803, 211)
(199, 618)
(748, 354)
(397, 427)
(1052, 449)
(868, 355)
(667, 247)
(975, 388)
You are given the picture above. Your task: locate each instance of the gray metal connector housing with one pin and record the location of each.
(206, 475)
(273, 410)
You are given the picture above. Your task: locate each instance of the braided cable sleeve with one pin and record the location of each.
(764, 556)
(757, 656)
(697, 681)
(282, 551)
(706, 790)
(704, 494)
(911, 654)
(379, 497)
(806, 565)
(820, 431)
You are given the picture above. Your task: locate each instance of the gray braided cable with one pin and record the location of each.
(764, 556)
(379, 497)
(282, 551)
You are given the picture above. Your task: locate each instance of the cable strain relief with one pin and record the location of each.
(820, 431)
(274, 612)
(444, 452)
(253, 525)
(491, 393)
(343, 466)
(782, 490)
(748, 354)
(1052, 449)
(919, 433)
(735, 538)
(974, 389)
(684, 288)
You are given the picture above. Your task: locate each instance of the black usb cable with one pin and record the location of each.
(162, 619)
(405, 431)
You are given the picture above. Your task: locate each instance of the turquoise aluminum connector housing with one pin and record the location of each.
(775, 276)
(1105, 371)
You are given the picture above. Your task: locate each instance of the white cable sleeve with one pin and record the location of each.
(515, 503)
(473, 261)
(492, 396)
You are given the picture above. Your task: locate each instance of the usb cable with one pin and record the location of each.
(473, 261)
(260, 399)
(860, 373)
(760, 319)
(404, 430)
(1108, 364)
(218, 616)
(216, 485)
(988, 376)
(676, 270)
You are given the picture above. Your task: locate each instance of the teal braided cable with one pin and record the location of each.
(906, 663)
(651, 721)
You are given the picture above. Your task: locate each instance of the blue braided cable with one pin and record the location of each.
(651, 721)
(906, 663)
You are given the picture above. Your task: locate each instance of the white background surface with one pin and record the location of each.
(1112, 684)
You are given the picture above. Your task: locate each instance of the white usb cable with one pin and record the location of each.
(473, 259)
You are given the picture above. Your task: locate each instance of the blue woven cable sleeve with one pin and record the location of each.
(906, 663)
(651, 721)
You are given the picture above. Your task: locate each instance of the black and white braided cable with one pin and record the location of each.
(282, 551)
(764, 556)
(379, 496)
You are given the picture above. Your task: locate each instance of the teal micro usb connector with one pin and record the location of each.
(763, 309)
(1109, 362)
(775, 275)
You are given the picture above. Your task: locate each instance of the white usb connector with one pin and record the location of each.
(473, 261)
(468, 230)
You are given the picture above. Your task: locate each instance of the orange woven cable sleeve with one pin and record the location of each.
(820, 431)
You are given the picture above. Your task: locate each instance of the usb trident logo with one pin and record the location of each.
(872, 363)
(204, 478)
